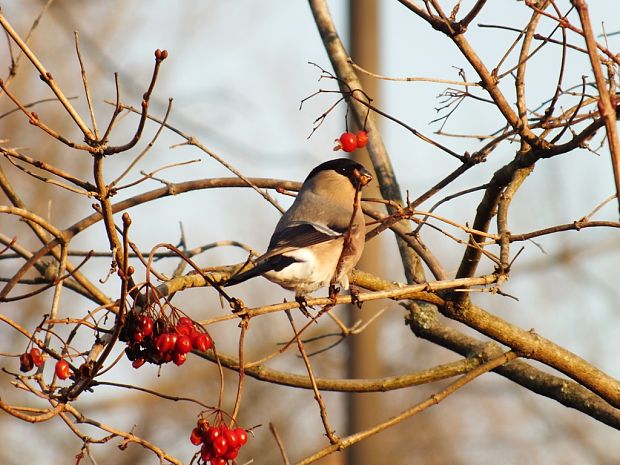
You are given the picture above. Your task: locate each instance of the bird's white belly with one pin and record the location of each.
(304, 276)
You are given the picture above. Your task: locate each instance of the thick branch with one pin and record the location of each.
(425, 322)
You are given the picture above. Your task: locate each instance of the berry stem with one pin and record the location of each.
(244, 327)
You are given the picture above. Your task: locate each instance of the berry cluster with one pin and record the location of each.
(34, 358)
(28, 360)
(162, 340)
(219, 443)
(349, 141)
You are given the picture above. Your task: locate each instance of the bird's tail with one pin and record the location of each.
(273, 263)
(244, 276)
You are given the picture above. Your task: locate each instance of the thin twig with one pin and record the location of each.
(86, 86)
(47, 78)
(412, 79)
(276, 436)
(146, 149)
(244, 327)
(190, 140)
(317, 394)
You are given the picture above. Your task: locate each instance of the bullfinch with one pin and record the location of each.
(306, 249)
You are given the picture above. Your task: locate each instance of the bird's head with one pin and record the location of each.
(355, 172)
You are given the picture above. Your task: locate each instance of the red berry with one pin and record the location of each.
(348, 141)
(196, 437)
(62, 369)
(145, 325)
(362, 138)
(218, 461)
(184, 330)
(213, 433)
(231, 454)
(201, 341)
(25, 362)
(183, 345)
(164, 343)
(137, 363)
(137, 337)
(232, 438)
(206, 452)
(242, 435)
(37, 358)
(185, 326)
(220, 446)
(178, 358)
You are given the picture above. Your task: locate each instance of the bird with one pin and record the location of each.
(320, 238)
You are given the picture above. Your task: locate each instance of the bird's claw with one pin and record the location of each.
(236, 305)
(333, 292)
(303, 305)
(355, 297)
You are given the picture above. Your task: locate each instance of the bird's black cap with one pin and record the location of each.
(353, 170)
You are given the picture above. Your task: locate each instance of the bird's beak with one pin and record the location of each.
(362, 176)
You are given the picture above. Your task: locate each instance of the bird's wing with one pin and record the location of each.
(299, 234)
(282, 247)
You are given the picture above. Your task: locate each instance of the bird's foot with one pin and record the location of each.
(236, 305)
(333, 292)
(303, 305)
(355, 297)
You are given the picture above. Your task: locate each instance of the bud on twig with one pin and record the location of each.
(161, 55)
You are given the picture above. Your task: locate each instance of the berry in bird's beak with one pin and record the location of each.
(362, 176)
